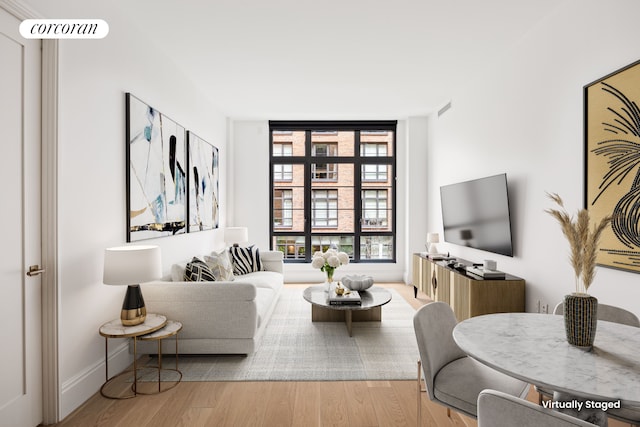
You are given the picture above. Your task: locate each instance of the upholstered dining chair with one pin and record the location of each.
(497, 409)
(608, 313)
(451, 378)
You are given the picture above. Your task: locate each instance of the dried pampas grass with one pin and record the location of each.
(583, 241)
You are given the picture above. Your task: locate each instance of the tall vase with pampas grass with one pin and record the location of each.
(580, 308)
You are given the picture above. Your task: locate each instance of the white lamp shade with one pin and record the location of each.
(236, 235)
(132, 265)
(433, 238)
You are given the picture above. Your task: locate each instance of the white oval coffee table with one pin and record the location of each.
(370, 310)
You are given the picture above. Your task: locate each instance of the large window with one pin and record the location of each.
(333, 183)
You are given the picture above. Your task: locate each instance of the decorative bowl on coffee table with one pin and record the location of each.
(357, 282)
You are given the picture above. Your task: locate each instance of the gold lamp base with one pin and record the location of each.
(134, 311)
(133, 317)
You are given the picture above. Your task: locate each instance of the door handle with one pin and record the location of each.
(35, 270)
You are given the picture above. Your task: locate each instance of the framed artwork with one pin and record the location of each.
(612, 164)
(156, 173)
(203, 181)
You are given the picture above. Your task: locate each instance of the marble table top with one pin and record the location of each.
(115, 328)
(171, 328)
(534, 348)
(375, 296)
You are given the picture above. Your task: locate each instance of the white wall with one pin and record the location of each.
(94, 75)
(523, 115)
(249, 185)
(413, 170)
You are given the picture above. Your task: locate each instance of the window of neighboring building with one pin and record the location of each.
(324, 171)
(283, 149)
(282, 172)
(324, 149)
(373, 149)
(324, 208)
(374, 209)
(374, 173)
(333, 183)
(283, 208)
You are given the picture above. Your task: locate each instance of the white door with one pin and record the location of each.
(20, 294)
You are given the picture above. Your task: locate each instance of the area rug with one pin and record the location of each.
(295, 349)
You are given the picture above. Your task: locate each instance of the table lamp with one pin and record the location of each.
(432, 239)
(132, 265)
(235, 235)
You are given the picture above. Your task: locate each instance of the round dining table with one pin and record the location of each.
(534, 348)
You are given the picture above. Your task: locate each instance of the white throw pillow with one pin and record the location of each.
(220, 265)
(177, 271)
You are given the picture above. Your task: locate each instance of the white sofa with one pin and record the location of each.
(217, 317)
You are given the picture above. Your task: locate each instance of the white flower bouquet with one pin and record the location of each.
(328, 261)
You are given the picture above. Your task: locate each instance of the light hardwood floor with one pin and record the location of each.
(343, 403)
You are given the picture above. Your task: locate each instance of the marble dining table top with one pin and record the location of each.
(533, 348)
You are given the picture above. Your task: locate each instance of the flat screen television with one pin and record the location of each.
(476, 214)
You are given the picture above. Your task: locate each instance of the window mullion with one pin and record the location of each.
(307, 196)
(357, 197)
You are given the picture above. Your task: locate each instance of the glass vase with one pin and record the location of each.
(329, 280)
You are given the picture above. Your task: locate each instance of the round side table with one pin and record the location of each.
(171, 329)
(115, 329)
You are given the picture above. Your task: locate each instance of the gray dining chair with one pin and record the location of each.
(451, 378)
(497, 409)
(608, 313)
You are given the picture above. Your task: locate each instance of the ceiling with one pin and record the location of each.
(332, 59)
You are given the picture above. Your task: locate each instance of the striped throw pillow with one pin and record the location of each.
(198, 271)
(245, 260)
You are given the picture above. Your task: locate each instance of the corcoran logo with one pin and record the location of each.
(64, 29)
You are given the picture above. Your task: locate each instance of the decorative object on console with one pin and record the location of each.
(328, 262)
(220, 265)
(198, 271)
(489, 264)
(432, 239)
(132, 265)
(156, 173)
(612, 165)
(233, 236)
(486, 273)
(245, 260)
(358, 282)
(204, 209)
(580, 313)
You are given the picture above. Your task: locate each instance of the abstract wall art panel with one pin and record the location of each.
(156, 173)
(203, 184)
(612, 164)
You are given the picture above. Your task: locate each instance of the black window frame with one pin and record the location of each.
(359, 234)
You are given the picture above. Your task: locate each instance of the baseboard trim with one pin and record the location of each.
(79, 388)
